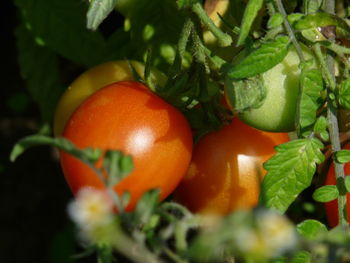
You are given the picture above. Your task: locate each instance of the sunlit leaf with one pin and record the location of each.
(267, 56)
(289, 172)
(311, 229)
(326, 193)
(250, 13)
(98, 11)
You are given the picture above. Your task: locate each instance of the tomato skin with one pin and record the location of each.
(92, 80)
(332, 207)
(127, 116)
(226, 169)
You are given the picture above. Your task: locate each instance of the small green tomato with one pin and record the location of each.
(277, 111)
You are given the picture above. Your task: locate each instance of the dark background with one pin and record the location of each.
(33, 194)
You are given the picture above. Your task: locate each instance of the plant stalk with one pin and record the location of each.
(224, 39)
(329, 6)
(289, 29)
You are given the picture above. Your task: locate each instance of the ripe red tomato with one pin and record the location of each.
(226, 169)
(128, 117)
(332, 207)
(92, 80)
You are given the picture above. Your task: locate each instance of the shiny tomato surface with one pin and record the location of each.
(227, 168)
(127, 116)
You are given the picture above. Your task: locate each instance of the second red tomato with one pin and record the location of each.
(227, 168)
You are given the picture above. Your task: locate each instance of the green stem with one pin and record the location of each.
(339, 168)
(329, 6)
(338, 50)
(224, 39)
(289, 30)
(184, 36)
(324, 67)
(131, 249)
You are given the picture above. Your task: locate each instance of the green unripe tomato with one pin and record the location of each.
(277, 111)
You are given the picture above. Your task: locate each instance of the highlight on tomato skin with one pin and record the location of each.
(227, 168)
(127, 116)
(332, 207)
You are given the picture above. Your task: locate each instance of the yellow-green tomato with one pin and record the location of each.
(94, 79)
(277, 112)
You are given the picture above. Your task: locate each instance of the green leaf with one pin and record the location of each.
(117, 166)
(311, 84)
(145, 206)
(156, 24)
(289, 172)
(302, 257)
(61, 26)
(275, 21)
(311, 229)
(88, 155)
(40, 68)
(342, 156)
(347, 183)
(18, 102)
(268, 55)
(314, 26)
(326, 193)
(312, 6)
(245, 94)
(104, 253)
(321, 127)
(185, 3)
(344, 94)
(98, 11)
(249, 16)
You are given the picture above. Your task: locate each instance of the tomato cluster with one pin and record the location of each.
(106, 108)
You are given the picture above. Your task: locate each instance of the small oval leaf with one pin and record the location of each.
(311, 229)
(342, 156)
(326, 193)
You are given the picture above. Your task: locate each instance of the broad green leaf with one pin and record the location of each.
(249, 16)
(61, 24)
(321, 127)
(342, 156)
(344, 94)
(326, 193)
(311, 85)
(302, 257)
(40, 68)
(275, 21)
(289, 172)
(347, 183)
(245, 94)
(98, 11)
(268, 55)
(311, 229)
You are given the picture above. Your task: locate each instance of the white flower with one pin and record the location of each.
(270, 236)
(92, 211)
(277, 231)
